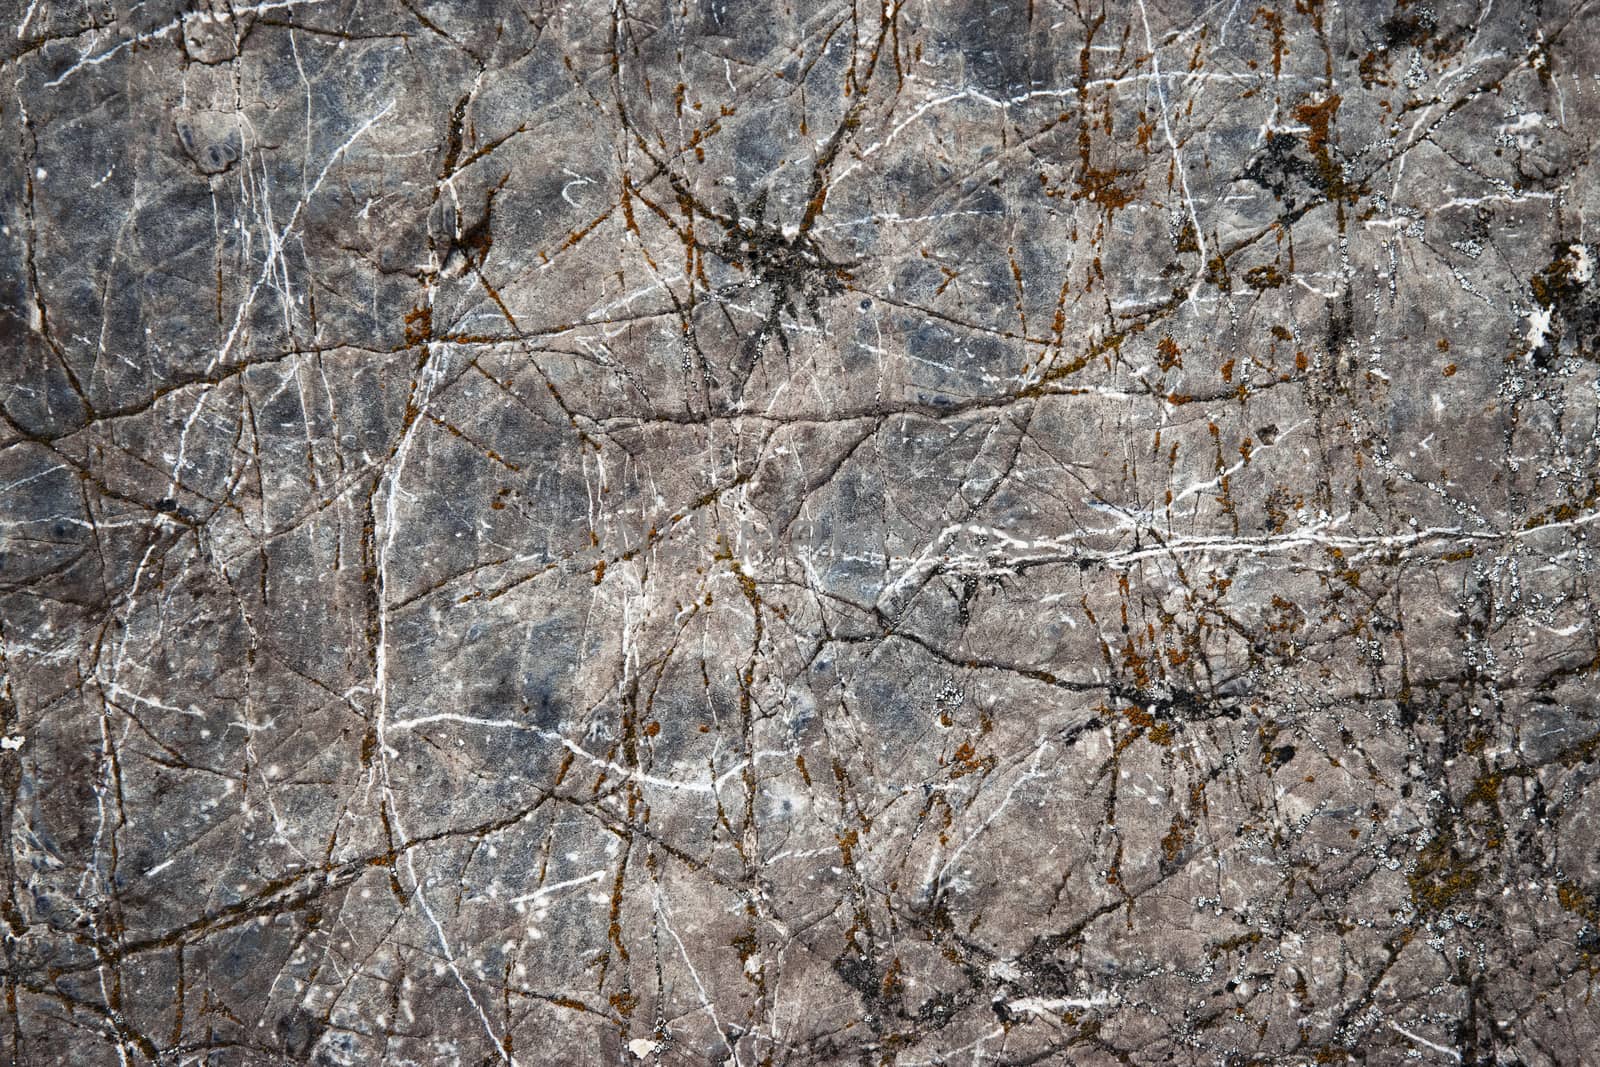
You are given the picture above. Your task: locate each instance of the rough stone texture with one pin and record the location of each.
(1041, 531)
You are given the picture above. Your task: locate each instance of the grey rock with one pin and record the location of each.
(799, 533)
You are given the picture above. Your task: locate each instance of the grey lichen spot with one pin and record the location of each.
(210, 141)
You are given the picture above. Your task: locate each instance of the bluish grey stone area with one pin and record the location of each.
(782, 534)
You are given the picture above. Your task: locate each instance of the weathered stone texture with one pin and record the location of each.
(755, 532)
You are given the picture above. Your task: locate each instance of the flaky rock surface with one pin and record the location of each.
(1036, 531)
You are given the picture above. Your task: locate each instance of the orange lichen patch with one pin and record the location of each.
(1564, 512)
(1319, 118)
(965, 760)
(746, 945)
(1570, 895)
(1265, 276)
(847, 843)
(1274, 23)
(1168, 354)
(1173, 841)
(1441, 876)
(1485, 790)
(1136, 664)
(419, 325)
(1100, 187)
(1139, 717)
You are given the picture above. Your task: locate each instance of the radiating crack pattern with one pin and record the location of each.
(799, 532)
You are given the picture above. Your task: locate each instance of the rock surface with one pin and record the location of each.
(1037, 531)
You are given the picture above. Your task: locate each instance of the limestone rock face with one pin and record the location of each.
(799, 532)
